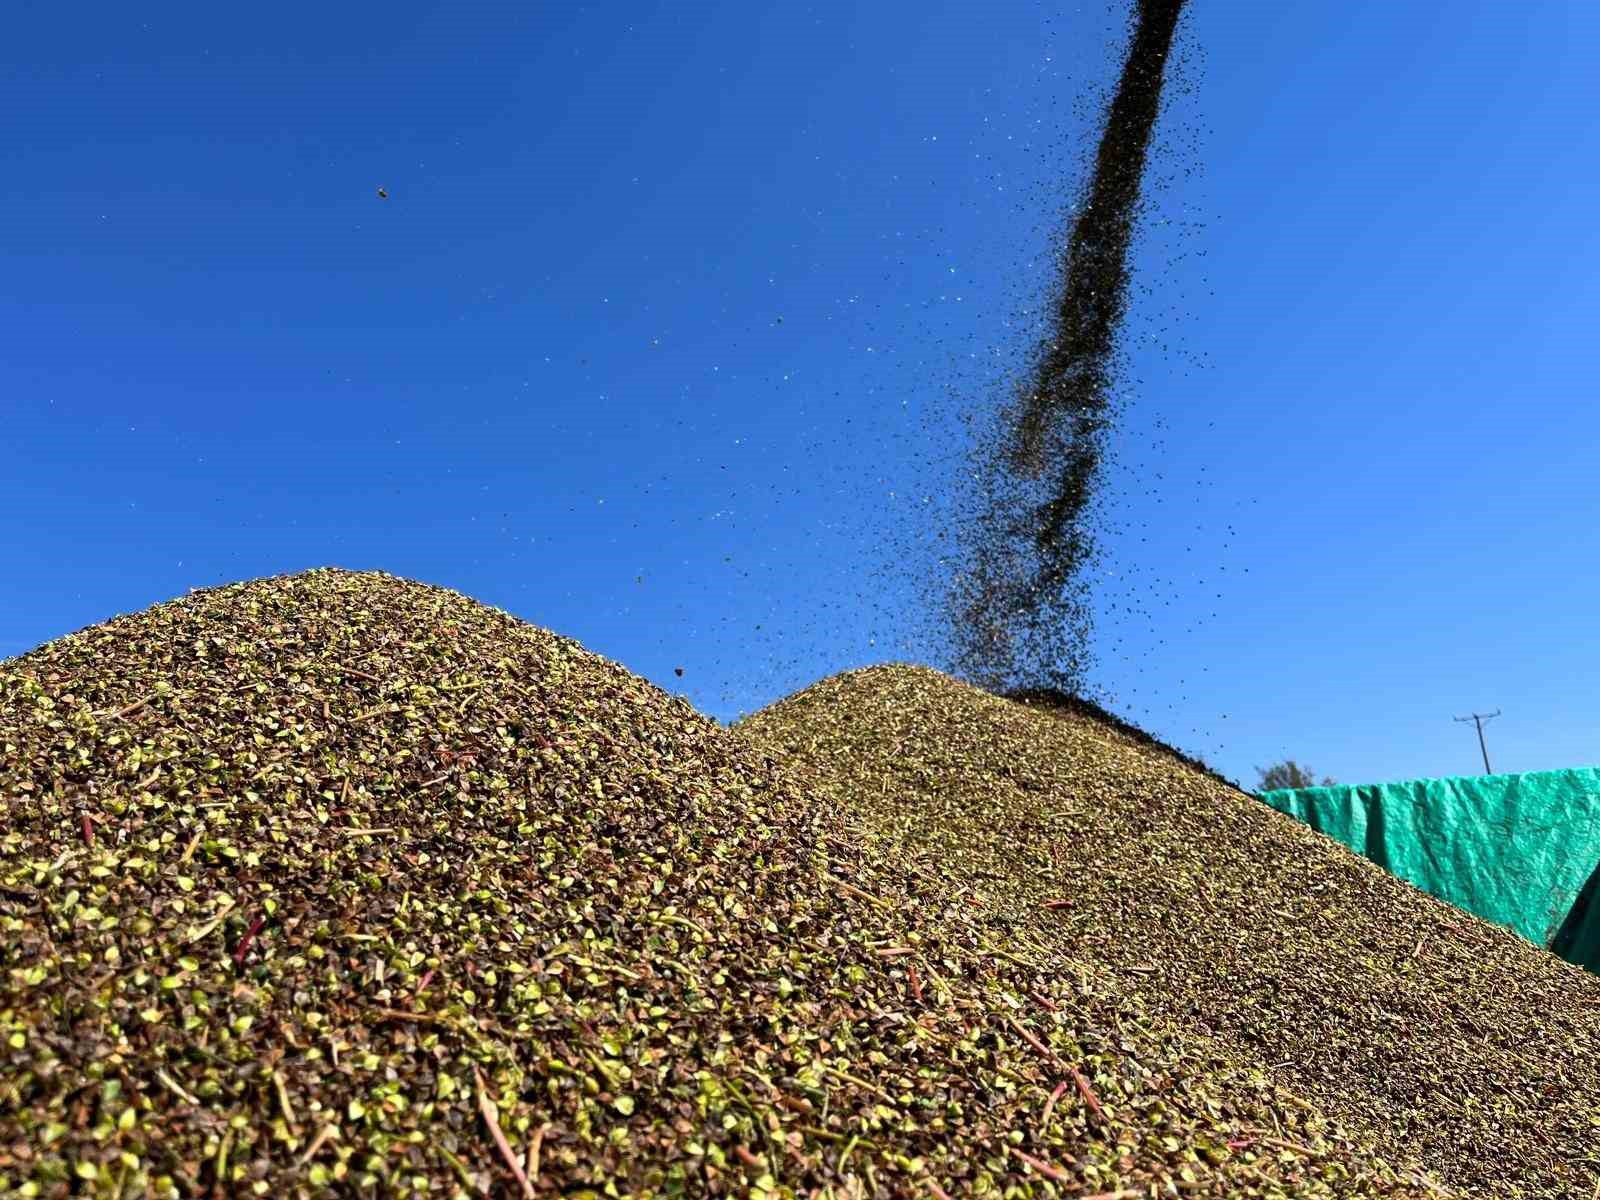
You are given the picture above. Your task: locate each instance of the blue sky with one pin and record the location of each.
(663, 337)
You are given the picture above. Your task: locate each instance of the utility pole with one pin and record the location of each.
(1478, 719)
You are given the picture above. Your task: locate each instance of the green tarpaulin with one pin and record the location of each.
(1519, 850)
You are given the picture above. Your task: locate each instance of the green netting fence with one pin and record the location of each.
(1519, 850)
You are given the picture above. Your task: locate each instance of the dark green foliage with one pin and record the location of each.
(1288, 774)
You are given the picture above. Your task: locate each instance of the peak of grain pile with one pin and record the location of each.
(1470, 1055)
(336, 883)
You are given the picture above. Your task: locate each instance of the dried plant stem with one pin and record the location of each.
(491, 1118)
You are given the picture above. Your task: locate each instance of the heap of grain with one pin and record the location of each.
(1469, 1053)
(339, 883)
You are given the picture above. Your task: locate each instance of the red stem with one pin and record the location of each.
(1088, 1094)
(244, 942)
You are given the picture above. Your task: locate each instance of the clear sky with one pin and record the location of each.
(662, 337)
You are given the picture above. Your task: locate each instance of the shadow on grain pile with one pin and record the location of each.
(336, 883)
(1466, 1052)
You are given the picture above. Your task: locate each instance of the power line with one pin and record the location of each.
(1478, 719)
